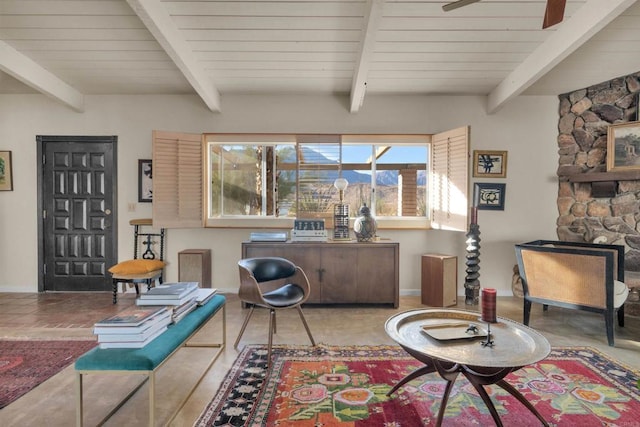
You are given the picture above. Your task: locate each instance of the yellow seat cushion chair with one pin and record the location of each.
(148, 269)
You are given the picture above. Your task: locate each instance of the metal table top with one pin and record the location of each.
(514, 343)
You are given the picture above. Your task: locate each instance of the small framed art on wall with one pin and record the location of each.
(489, 164)
(6, 171)
(489, 196)
(145, 181)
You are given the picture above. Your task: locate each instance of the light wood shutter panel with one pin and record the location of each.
(177, 180)
(449, 189)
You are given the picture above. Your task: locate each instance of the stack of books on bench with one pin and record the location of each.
(133, 327)
(169, 294)
(181, 298)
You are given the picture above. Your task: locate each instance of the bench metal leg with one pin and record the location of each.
(152, 398)
(79, 414)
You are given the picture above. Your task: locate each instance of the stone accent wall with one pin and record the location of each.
(582, 147)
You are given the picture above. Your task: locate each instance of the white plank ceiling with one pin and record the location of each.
(497, 48)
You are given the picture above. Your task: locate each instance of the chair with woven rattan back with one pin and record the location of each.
(584, 276)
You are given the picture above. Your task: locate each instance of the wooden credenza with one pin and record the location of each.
(340, 273)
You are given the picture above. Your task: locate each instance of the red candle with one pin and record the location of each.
(489, 305)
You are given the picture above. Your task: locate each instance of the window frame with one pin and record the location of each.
(181, 170)
(255, 221)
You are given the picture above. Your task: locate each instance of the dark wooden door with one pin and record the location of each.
(77, 182)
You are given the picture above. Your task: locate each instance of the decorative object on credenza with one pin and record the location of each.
(471, 282)
(489, 311)
(145, 181)
(6, 171)
(489, 164)
(490, 196)
(308, 230)
(623, 147)
(341, 213)
(268, 236)
(365, 225)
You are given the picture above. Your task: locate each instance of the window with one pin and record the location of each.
(250, 176)
(388, 173)
(293, 176)
(266, 180)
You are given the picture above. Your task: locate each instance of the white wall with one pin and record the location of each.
(526, 127)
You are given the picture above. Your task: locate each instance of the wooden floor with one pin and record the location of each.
(72, 315)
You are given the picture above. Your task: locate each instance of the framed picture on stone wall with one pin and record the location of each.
(489, 164)
(623, 147)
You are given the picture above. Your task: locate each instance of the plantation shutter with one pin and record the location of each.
(177, 180)
(449, 189)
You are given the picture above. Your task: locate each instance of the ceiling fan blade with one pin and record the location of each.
(554, 13)
(456, 4)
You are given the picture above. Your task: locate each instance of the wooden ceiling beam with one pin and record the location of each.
(158, 21)
(371, 24)
(593, 16)
(30, 73)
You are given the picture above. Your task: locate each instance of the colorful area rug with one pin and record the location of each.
(347, 386)
(25, 364)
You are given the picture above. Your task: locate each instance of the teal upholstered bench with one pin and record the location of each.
(148, 359)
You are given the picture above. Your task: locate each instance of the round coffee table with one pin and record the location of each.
(450, 342)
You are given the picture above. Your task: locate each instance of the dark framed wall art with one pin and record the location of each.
(6, 171)
(489, 196)
(145, 181)
(489, 164)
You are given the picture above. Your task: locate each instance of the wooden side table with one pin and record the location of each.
(439, 280)
(194, 265)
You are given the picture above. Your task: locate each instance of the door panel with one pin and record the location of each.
(339, 281)
(308, 259)
(78, 203)
(375, 275)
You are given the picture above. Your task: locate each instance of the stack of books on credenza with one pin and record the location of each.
(180, 298)
(133, 327)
